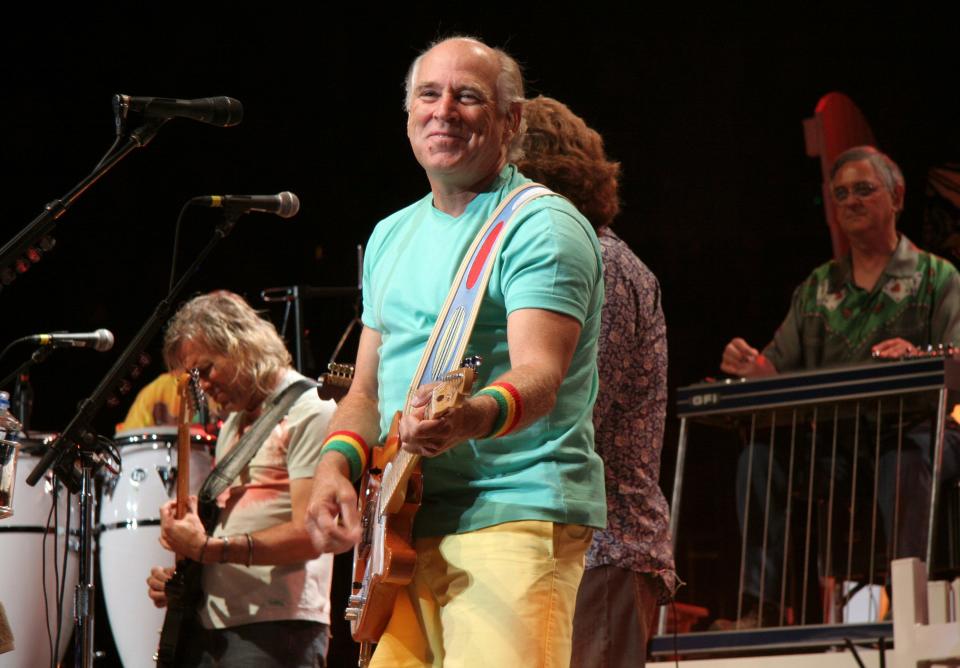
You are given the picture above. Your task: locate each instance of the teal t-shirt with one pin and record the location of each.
(550, 259)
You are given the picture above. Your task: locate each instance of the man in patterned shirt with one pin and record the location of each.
(630, 563)
(885, 299)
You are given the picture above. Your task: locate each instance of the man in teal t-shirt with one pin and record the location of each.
(511, 484)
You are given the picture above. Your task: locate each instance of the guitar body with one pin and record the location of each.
(390, 496)
(183, 598)
(385, 559)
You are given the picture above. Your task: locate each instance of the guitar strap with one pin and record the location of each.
(228, 468)
(448, 340)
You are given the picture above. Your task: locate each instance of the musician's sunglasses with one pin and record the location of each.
(861, 189)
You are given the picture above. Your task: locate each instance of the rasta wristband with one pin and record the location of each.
(510, 405)
(352, 446)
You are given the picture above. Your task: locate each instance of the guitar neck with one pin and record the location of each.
(393, 487)
(187, 388)
(183, 469)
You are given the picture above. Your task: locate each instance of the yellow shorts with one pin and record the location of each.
(502, 596)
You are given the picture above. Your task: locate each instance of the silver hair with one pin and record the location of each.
(223, 323)
(510, 88)
(885, 168)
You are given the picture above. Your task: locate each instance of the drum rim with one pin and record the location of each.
(161, 437)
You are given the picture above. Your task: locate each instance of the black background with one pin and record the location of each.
(704, 112)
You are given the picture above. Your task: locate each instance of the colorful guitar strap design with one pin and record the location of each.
(448, 340)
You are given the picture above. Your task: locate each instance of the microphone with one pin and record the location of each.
(100, 340)
(285, 204)
(222, 111)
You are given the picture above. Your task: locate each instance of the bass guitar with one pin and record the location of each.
(390, 495)
(183, 589)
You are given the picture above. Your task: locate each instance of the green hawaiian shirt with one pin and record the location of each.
(833, 322)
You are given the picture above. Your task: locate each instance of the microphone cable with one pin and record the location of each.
(176, 244)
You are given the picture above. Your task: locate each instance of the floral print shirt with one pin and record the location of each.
(629, 418)
(832, 321)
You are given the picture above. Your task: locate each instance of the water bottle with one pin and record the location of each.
(9, 447)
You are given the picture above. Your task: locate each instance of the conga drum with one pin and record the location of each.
(130, 531)
(32, 541)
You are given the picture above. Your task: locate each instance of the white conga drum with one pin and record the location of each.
(130, 531)
(28, 564)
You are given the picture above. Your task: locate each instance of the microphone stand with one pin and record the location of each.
(26, 247)
(77, 446)
(22, 386)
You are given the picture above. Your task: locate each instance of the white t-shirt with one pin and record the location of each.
(258, 499)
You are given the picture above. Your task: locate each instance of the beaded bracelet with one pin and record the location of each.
(510, 408)
(249, 549)
(352, 446)
(223, 554)
(203, 548)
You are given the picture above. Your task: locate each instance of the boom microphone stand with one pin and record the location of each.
(29, 244)
(27, 247)
(77, 446)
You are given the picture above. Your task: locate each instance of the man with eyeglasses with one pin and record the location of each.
(886, 299)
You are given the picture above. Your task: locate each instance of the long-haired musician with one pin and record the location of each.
(265, 587)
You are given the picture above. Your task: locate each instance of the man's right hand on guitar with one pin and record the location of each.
(333, 520)
(156, 585)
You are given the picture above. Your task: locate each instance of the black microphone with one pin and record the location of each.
(222, 111)
(101, 340)
(285, 204)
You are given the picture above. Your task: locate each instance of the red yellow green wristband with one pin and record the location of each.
(352, 446)
(510, 405)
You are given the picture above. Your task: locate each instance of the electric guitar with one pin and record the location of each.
(183, 588)
(384, 559)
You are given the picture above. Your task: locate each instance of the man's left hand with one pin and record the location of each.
(185, 536)
(429, 437)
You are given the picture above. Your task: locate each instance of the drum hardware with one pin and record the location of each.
(168, 475)
(108, 484)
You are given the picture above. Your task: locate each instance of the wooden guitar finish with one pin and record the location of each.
(390, 496)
